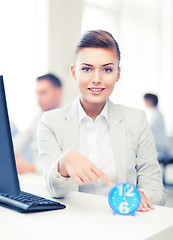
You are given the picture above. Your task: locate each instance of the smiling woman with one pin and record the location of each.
(97, 68)
(92, 143)
(96, 71)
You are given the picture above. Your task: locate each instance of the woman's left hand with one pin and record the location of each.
(145, 205)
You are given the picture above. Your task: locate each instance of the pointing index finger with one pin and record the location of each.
(101, 175)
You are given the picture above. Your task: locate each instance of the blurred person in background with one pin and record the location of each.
(157, 124)
(49, 92)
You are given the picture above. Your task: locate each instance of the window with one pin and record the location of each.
(23, 48)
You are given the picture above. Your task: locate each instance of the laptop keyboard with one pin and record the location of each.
(27, 202)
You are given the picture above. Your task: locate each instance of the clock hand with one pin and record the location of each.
(125, 200)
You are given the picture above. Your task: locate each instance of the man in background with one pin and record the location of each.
(49, 92)
(157, 125)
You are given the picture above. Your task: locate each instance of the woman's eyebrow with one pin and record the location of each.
(102, 65)
(108, 64)
(87, 64)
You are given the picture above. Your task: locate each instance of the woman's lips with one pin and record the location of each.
(96, 90)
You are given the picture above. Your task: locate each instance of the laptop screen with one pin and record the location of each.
(9, 182)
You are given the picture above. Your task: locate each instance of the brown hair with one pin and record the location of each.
(97, 39)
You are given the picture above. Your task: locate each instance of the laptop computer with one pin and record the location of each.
(10, 194)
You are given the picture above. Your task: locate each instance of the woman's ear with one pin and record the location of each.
(119, 73)
(73, 73)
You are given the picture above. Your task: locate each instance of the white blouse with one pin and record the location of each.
(95, 144)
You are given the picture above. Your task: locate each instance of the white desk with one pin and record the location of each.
(86, 217)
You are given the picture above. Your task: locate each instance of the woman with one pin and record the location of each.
(92, 143)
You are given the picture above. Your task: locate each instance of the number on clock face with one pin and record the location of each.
(128, 193)
(123, 207)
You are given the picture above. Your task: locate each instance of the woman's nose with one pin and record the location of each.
(96, 78)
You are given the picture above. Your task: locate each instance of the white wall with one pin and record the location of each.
(64, 29)
(23, 54)
(166, 56)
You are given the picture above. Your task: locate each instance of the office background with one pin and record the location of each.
(39, 36)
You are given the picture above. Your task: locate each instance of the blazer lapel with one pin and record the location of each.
(117, 128)
(72, 128)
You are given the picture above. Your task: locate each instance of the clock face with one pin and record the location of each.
(124, 198)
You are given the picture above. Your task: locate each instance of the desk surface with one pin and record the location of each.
(87, 216)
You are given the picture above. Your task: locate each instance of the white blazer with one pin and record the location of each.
(132, 141)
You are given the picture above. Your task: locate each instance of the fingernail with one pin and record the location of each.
(110, 183)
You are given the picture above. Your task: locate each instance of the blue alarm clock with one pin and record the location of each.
(124, 199)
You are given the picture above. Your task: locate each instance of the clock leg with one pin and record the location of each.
(133, 214)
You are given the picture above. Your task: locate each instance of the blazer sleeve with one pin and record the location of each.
(149, 177)
(50, 153)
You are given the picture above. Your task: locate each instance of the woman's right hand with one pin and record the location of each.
(73, 164)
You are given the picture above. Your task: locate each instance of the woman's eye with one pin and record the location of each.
(86, 69)
(107, 70)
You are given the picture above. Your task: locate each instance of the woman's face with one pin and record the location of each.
(96, 72)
